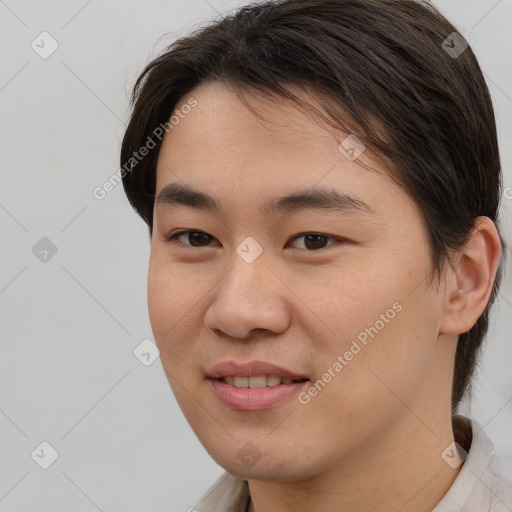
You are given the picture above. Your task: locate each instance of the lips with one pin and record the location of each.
(255, 385)
(239, 371)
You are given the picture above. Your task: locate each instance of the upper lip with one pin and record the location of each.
(251, 369)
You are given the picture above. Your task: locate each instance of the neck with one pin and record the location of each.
(401, 470)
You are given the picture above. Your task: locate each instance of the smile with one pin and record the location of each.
(258, 381)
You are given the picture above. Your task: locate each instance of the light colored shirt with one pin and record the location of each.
(484, 483)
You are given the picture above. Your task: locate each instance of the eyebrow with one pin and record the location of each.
(302, 200)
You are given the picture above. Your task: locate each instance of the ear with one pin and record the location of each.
(470, 278)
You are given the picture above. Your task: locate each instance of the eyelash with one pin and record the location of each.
(173, 238)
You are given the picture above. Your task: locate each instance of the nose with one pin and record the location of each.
(250, 297)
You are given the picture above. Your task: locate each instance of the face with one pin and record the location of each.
(328, 289)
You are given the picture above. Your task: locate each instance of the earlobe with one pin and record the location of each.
(471, 278)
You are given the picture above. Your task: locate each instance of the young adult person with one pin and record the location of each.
(323, 213)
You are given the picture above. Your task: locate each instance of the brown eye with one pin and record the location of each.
(311, 241)
(193, 238)
(314, 241)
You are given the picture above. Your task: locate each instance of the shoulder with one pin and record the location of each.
(497, 478)
(228, 493)
(485, 479)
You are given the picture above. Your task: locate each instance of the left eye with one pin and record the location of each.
(312, 241)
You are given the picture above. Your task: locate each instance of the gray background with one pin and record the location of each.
(69, 325)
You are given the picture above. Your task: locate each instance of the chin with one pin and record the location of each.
(248, 463)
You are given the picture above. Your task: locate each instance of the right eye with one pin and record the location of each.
(194, 238)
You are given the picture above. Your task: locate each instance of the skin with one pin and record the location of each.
(372, 438)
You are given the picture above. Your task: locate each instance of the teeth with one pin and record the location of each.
(272, 380)
(241, 382)
(229, 380)
(256, 382)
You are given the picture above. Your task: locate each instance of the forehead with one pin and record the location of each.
(256, 117)
(224, 147)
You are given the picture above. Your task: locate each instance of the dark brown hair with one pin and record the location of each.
(384, 70)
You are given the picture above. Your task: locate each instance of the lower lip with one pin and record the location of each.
(247, 399)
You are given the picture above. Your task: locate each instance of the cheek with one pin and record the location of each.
(162, 299)
(171, 314)
(169, 306)
(371, 382)
(176, 302)
(384, 364)
(171, 295)
(350, 299)
(383, 325)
